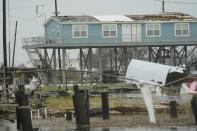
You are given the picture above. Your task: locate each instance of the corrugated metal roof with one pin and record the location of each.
(114, 18)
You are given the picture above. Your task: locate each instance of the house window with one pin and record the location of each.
(153, 30)
(109, 30)
(80, 31)
(181, 29)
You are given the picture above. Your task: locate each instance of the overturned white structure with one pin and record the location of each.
(151, 72)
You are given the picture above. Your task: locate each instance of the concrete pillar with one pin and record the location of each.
(64, 67)
(100, 63)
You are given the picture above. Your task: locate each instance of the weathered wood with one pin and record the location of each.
(69, 116)
(106, 129)
(23, 114)
(173, 110)
(81, 110)
(105, 105)
(8, 105)
(83, 129)
(76, 89)
(194, 107)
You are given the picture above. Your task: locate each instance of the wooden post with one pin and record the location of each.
(105, 129)
(76, 89)
(23, 114)
(69, 116)
(83, 129)
(81, 110)
(105, 105)
(194, 107)
(173, 111)
(81, 107)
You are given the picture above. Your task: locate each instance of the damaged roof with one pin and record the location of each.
(75, 18)
(167, 16)
(163, 17)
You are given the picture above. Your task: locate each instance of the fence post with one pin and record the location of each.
(81, 107)
(23, 114)
(173, 111)
(194, 107)
(45, 112)
(31, 115)
(69, 116)
(38, 114)
(105, 105)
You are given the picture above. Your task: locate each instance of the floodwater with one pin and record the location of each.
(12, 127)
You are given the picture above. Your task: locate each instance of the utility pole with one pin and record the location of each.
(163, 6)
(59, 57)
(4, 47)
(56, 13)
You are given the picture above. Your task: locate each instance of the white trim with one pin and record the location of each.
(153, 30)
(80, 31)
(109, 31)
(129, 37)
(181, 35)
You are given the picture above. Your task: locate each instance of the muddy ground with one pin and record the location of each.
(121, 120)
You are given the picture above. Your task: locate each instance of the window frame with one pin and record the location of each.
(153, 24)
(175, 29)
(80, 32)
(109, 31)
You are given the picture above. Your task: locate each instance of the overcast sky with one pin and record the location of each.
(30, 23)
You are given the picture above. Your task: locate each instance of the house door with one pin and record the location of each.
(126, 32)
(136, 32)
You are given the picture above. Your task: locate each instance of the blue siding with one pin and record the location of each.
(95, 34)
(51, 31)
(168, 34)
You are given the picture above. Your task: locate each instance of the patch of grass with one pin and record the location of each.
(67, 102)
(184, 107)
(60, 102)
